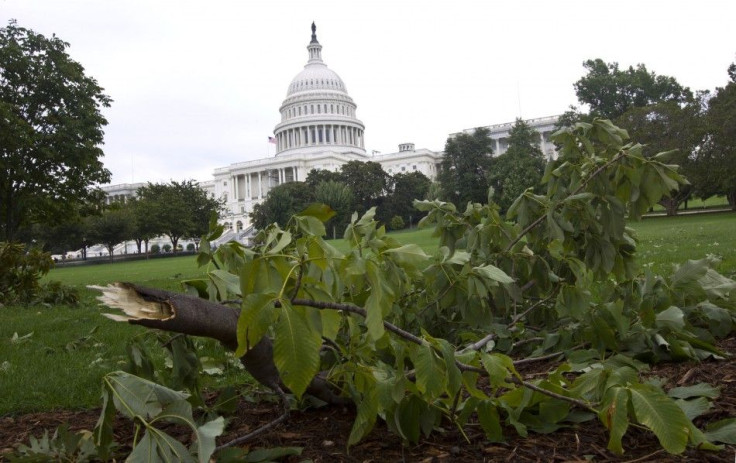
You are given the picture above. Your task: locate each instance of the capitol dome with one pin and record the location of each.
(318, 114)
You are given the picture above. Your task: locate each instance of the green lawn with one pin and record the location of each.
(664, 241)
(59, 364)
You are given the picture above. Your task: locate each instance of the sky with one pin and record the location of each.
(197, 85)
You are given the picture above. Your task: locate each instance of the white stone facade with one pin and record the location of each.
(544, 126)
(319, 130)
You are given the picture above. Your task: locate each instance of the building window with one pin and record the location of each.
(414, 167)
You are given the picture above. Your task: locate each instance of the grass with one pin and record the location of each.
(69, 348)
(714, 202)
(667, 241)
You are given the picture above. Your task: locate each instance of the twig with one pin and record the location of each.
(359, 311)
(410, 337)
(554, 395)
(537, 359)
(476, 346)
(532, 307)
(167, 344)
(523, 342)
(265, 427)
(645, 457)
(298, 282)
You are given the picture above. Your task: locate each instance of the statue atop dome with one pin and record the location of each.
(314, 33)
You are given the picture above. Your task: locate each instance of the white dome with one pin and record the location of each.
(316, 76)
(317, 114)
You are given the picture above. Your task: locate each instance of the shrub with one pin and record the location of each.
(397, 223)
(167, 248)
(20, 272)
(155, 249)
(190, 247)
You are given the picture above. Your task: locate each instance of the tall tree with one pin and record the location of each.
(111, 227)
(50, 131)
(407, 187)
(668, 126)
(465, 167)
(714, 165)
(655, 109)
(144, 228)
(368, 181)
(281, 203)
(317, 176)
(520, 167)
(610, 91)
(178, 209)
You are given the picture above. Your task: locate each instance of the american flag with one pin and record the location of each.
(272, 140)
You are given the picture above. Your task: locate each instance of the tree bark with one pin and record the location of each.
(180, 313)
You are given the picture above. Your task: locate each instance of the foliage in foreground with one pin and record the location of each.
(422, 342)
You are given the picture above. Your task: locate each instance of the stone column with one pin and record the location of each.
(260, 186)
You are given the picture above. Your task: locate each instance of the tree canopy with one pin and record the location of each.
(465, 167)
(610, 91)
(177, 209)
(111, 227)
(655, 109)
(519, 168)
(281, 203)
(714, 170)
(50, 131)
(368, 182)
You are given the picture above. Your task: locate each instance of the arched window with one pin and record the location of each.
(239, 226)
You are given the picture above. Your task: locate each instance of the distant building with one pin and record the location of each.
(545, 126)
(319, 129)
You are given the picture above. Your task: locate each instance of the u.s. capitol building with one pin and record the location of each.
(319, 129)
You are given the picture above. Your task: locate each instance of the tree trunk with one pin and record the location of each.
(180, 313)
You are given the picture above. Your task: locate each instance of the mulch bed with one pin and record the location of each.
(323, 432)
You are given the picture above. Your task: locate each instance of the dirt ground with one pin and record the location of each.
(323, 432)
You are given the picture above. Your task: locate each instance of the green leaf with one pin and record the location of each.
(693, 408)
(226, 283)
(661, 414)
(157, 446)
(672, 318)
(410, 254)
(431, 375)
(321, 212)
(614, 416)
(206, 435)
(573, 302)
(284, 240)
(407, 417)
(103, 432)
(497, 366)
(697, 390)
(296, 348)
(490, 421)
(134, 396)
(493, 273)
(366, 415)
(256, 316)
(722, 431)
